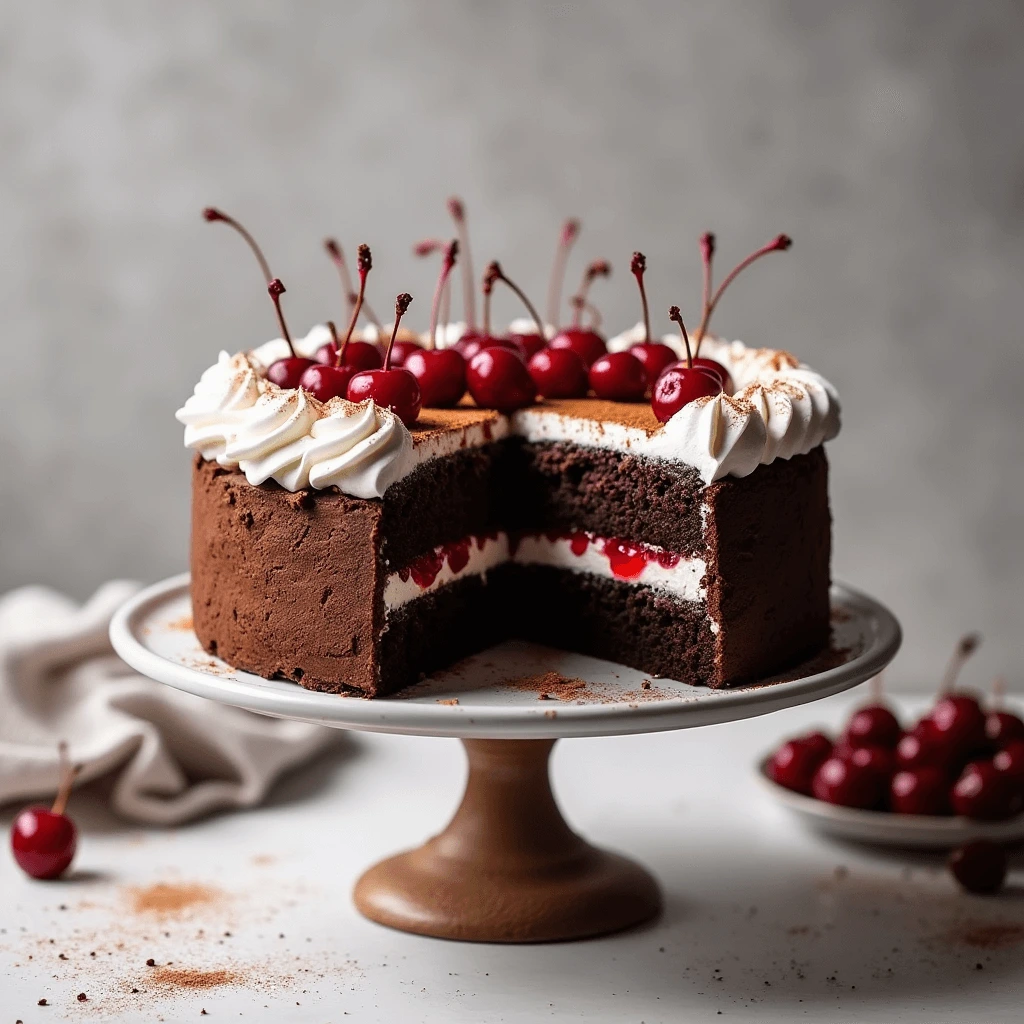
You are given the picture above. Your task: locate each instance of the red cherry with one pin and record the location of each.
(1002, 728)
(1009, 762)
(819, 744)
(979, 866)
(43, 840)
(679, 387)
(879, 760)
(287, 373)
(558, 373)
(873, 726)
(719, 370)
(920, 791)
(984, 793)
(441, 374)
(401, 350)
(959, 724)
(397, 390)
(327, 382)
(920, 747)
(498, 379)
(361, 355)
(527, 344)
(793, 765)
(587, 344)
(843, 782)
(654, 355)
(468, 347)
(618, 376)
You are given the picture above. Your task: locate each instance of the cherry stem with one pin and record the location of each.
(599, 268)
(570, 231)
(349, 293)
(964, 649)
(364, 264)
(674, 314)
(494, 272)
(707, 255)
(276, 290)
(638, 266)
(68, 774)
(778, 244)
(457, 210)
(335, 342)
(451, 252)
(876, 688)
(487, 288)
(212, 215)
(401, 305)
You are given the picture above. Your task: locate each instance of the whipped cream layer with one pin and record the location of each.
(611, 558)
(236, 416)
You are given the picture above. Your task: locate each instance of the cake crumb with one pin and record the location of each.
(451, 701)
(645, 685)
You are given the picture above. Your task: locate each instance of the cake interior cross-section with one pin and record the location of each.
(350, 546)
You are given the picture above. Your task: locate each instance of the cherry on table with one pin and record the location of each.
(819, 743)
(498, 379)
(922, 790)
(558, 373)
(44, 840)
(984, 793)
(979, 866)
(919, 747)
(880, 760)
(619, 377)
(395, 389)
(959, 724)
(1002, 728)
(1010, 763)
(793, 765)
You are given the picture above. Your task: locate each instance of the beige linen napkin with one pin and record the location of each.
(174, 756)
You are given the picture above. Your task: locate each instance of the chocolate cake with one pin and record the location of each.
(334, 546)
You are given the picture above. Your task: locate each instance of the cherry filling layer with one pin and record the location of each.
(611, 557)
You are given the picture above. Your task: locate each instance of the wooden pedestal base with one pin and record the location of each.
(508, 868)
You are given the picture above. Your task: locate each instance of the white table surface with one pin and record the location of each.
(763, 922)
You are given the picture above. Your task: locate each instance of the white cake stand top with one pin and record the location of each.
(500, 694)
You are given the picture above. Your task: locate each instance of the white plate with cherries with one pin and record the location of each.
(954, 776)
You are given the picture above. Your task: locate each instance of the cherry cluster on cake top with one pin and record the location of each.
(502, 372)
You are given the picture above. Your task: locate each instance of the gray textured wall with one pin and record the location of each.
(884, 137)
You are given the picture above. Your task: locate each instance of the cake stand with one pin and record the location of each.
(507, 868)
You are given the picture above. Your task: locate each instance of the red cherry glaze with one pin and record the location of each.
(678, 387)
(43, 843)
(793, 765)
(587, 344)
(287, 373)
(626, 559)
(979, 866)
(1002, 728)
(619, 377)
(873, 726)
(498, 379)
(43, 840)
(441, 374)
(919, 791)
(654, 355)
(984, 793)
(327, 382)
(401, 350)
(425, 569)
(558, 373)
(839, 781)
(527, 344)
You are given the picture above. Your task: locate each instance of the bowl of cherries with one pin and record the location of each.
(955, 775)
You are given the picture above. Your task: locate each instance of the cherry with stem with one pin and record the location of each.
(596, 269)
(349, 293)
(570, 232)
(654, 355)
(457, 210)
(427, 247)
(681, 384)
(495, 273)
